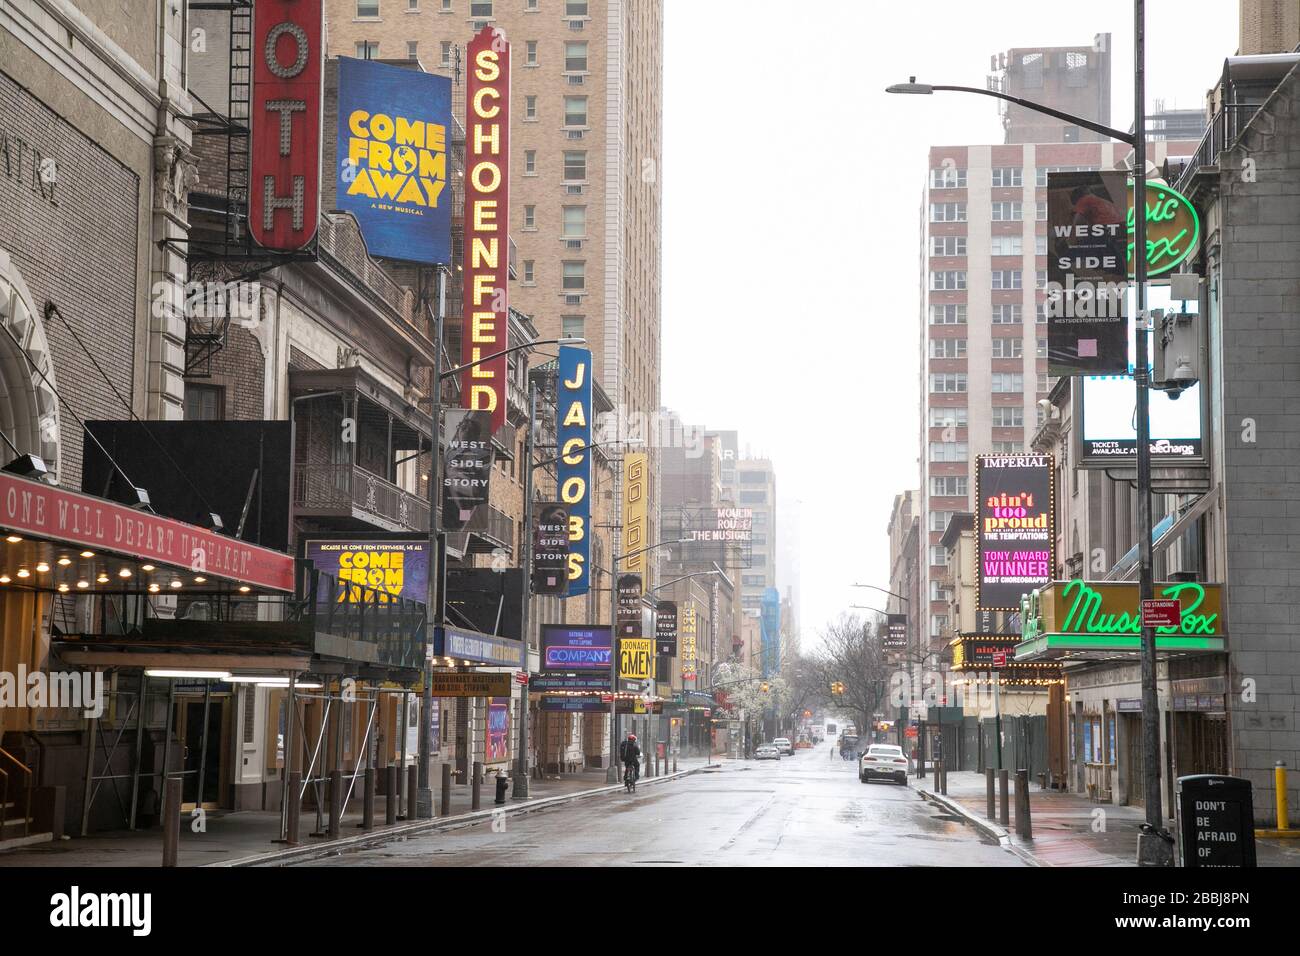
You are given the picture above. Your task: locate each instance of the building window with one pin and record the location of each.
(1006, 246)
(1006, 278)
(480, 8)
(530, 162)
(948, 348)
(368, 50)
(575, 8)
(1040, 245)
(1040, 210)
(367, 9)
(573, 326)
(412, 49)
(530, 5)
(756, 496)
(947, 212)
(1031, 70)
(947, 315)
(1040, 313)
(939, 556)
(1076, 69)
(1007, 314)
(413, 6)
(1045, 382)
(948, 486)
(575, 111)
(530, 107)
(1008, 416)
(951, 280)
(1008, 448)
(1003, 383)
(575, 166)
(575, 222)
(575, 276)
(939, 520)
(530, 53)
(948, 177)
(530, 217)
(1040, 348)
(204, 403)
(1006, 212)
(947, 245)
(1006, 176)
(446, 53)
(948, 451)
(948, 417)
(1040, 279)
(575, 57)
(528, 270)
(1008, 348)
(948, 382)
(940, 593)
(446, 5)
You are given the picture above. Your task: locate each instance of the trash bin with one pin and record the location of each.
(503, 782)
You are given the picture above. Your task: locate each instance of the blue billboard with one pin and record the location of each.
(576, 647)
(573, 434)
(770, 622)
(393, 159)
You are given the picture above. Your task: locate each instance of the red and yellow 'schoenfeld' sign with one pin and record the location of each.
(487, 223)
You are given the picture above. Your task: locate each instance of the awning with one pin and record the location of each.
(59, 540)
(472, 647)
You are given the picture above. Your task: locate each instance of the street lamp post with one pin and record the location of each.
(1155, 847)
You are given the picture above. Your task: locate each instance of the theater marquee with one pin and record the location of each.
(1014, 536)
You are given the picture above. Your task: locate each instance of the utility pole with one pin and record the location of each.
(521, 762)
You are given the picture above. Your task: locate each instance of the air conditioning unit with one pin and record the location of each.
(573, 300)
(573, 190)
(574, 133)
(573, 243)
(576, 80)
(576, 24)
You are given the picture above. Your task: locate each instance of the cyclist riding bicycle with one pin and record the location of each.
(630, 753)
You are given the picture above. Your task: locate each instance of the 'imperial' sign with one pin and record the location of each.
(284, 119)
(1014, 537)
(487, 223)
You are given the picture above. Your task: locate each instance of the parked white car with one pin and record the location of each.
(767, 752)
(783, 744)
(883, 760)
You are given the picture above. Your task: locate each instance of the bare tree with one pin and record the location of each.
(851, 654)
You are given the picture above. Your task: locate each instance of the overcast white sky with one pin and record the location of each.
(792, 185)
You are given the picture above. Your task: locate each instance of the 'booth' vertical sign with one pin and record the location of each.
(487, 223)
(284, 119)
(573, 470)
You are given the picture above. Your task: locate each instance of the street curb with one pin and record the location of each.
(987, 827)
(386, 834)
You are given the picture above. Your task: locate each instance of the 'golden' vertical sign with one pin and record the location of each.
(635, 494)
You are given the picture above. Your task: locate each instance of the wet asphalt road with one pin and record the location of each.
(803, 810)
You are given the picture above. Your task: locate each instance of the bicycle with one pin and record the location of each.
(629, 777)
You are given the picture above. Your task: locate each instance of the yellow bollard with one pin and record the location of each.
(1279, 783)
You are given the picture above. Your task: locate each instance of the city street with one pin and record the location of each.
(799, 811)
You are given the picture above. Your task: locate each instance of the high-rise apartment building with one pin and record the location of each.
(983, 322)
(586, 163)
(756, 490)
(1073, 79)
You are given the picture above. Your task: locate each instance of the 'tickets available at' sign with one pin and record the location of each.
(1014, 535)
(284, 119)
(487, 223)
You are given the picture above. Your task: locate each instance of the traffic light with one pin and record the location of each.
(837, 687)
(763, 687)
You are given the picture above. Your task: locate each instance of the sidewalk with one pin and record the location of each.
(1068, 828)
(240, 837)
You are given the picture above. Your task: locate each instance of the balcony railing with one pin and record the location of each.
(358, 615)
(1222, 132)
(347, 490)
(493, 526)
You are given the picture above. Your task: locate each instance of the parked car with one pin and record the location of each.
(767, 752)
(883, 760)
(783, 744)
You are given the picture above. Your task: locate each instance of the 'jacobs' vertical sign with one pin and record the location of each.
(634, 512)
(284, 118)
(487, 223)
(573, 470)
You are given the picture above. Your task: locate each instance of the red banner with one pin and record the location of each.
(43, 511)
(487, 224)
(284, 119)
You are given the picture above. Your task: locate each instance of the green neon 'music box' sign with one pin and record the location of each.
(1086, 615)
(1173, 228)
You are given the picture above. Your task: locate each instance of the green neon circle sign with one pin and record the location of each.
(1173, 228)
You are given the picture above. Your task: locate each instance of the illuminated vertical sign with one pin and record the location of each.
(686, 635)
(487, 224)
(573, 470)
(635, 492)
(1014, 540)
(284, 120)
